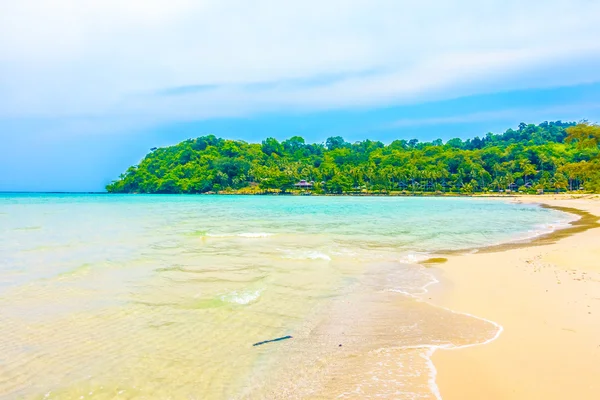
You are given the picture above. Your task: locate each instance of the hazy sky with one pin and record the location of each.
(87, 87)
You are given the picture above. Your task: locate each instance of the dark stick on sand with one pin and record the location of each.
(272, 340)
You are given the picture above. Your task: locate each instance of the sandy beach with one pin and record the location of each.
(546, 298)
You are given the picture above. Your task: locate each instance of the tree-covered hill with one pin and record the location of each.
(549, 156)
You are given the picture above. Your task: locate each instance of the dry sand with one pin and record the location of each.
(546, 297)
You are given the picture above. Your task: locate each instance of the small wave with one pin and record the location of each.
(255, 235)
(346, 253)
(414, 258)
(242, 297)
(197, 233)
(431, 348)
(28, 228)
(81, 270)
(307, 255)
(251, 235)
(166, 245)
(235, 297)
(540, 230)
(414, 283)
(556, 225)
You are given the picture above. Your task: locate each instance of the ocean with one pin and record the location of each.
(163, 296)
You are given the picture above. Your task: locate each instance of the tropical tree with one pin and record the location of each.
(549, 155)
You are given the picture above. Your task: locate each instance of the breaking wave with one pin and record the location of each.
(243, 297)
(254, 235)
(306, 255)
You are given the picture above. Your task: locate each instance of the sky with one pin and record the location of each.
(88, 87)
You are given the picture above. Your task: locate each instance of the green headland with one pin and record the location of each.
(548, 157)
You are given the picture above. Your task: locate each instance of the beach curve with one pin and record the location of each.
(540, 296)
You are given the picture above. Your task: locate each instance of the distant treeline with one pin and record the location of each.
(551, 156)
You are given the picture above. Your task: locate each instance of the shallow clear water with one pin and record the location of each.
(107, 296)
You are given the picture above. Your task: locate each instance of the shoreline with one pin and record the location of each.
(512, 195)
(504, 284)
(584, 222)
(345, 194)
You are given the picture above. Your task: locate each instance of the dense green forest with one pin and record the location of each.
(551, 156)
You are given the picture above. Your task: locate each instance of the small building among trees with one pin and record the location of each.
(304, 184)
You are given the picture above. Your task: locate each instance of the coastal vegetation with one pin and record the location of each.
(551, 156)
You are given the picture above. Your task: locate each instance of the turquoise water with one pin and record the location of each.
(75, 230)
(141, 296)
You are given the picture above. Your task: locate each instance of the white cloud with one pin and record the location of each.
(72, 58)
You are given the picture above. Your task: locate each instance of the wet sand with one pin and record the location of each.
(547, 298)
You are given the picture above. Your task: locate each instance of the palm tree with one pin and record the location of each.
(559, 182)
(467, 188)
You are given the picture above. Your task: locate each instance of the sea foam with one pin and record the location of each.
(306, 255)
(413, 258)
(243, 297)
(255, 234)
(250, 235)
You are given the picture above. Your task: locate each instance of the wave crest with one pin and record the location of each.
(244, 297)
(307, 255)
(252, 235)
